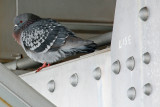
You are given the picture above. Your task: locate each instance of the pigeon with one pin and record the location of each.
(47, 41)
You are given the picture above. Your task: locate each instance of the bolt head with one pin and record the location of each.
(144, 13)
(51, 86)
(74, 80)
(130, 63)
(146, 58)
(131, 93)
(116, 67)
(147, 89)
(97, 73)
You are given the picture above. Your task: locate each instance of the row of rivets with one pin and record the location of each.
(144, 14)
(147, 89)
(130, 63)
(74, 79)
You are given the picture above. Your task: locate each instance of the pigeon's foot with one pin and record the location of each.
(43, 66)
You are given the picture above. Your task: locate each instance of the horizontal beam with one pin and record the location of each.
(18, 93)
(81, 82)
(89, 27)
(24, 63)
(102, 40)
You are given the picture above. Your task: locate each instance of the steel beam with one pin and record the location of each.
(91, 27)
(24, 63)
(82, 82)
(102, 40)
(14, 92)
(135, 54)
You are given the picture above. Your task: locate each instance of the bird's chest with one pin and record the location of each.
(17, 37)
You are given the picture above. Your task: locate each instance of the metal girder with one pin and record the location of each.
(14, 92)
(83, 82)
(102, 40)
(24, 63)
(89, 27)
(135, 54)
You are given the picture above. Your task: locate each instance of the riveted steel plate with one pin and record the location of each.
(133, 36)
(87, 93)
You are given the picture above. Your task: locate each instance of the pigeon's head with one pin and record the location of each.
(23, 20)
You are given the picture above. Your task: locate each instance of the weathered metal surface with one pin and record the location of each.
(88, 92)
(14, 92)
(135, 33)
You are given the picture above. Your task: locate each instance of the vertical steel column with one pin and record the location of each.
(135, 54)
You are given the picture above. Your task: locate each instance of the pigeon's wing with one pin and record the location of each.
(44, 35)
(62, 34)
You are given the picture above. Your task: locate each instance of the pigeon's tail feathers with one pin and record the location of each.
(87, 48)
(75, 45)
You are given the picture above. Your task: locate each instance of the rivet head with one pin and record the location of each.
(74, 80)
(146, 58)
(147, 89)
(116, 67)
(51, 86)
(144, 13)
(130, 63)
(131, 93)
(97, 73)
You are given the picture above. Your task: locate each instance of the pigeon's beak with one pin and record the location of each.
(15, 27)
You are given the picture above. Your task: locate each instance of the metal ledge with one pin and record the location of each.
(82, 82)
(15, 92)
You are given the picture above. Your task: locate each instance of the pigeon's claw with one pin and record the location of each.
(43, 66)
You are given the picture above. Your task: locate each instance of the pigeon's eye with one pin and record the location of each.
(21, 21)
